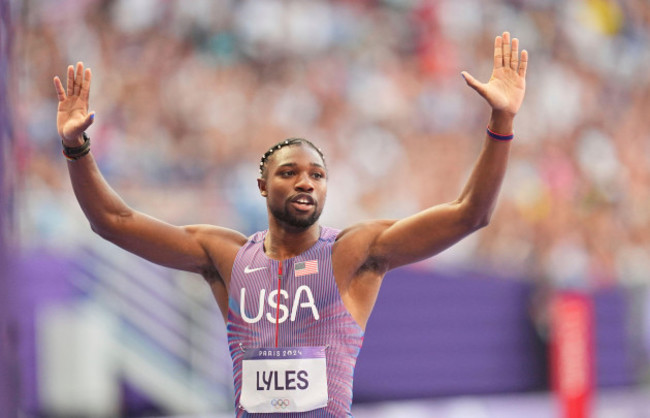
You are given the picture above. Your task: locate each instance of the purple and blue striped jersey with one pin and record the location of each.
(310, 312)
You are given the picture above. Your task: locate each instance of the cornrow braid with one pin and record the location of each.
(287, 142)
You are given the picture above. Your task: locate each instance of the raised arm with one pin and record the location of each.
(437, 228)
(203, 249)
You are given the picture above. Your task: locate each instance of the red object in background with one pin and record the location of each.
(572, 353)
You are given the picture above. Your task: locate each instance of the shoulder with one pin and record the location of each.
(220, 244)
(354, 245)
(216, 235)
(365, 231)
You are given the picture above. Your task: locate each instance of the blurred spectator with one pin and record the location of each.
(188, 96)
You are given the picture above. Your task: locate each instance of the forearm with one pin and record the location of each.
(100, 203)
(479, 196)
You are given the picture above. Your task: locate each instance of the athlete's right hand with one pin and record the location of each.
(72, 118)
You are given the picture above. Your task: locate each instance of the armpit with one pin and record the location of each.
(374, 265)
(211, 275)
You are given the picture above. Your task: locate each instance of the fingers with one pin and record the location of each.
(85, 87)
(90, 118)
(58, 86)
(78, 78)
(506, 49)
(78, 83)
(506, 54)
(70, 80)
(474, 83)
(514, 54)
(498, 52)
(523, 63)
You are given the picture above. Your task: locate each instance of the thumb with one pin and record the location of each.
(88, 121)
(473, 83)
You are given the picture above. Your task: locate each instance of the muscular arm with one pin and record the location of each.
(181, 247)
(203, 249)
(437, 228)
(363, 253)
(433, 230)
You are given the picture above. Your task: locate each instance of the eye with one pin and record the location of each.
(318, 175)
(287, 173)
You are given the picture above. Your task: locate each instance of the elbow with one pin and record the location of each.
(107, 228)
(104, 231)
(476, 218)
(473, 224)
(482, 221)
(100, 230)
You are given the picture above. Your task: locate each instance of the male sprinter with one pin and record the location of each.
(296, 297)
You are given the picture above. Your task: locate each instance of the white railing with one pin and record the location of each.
(171, 339)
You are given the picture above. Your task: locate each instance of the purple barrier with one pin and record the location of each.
(618, 356)
(434, 334)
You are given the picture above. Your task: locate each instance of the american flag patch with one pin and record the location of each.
(304, 268)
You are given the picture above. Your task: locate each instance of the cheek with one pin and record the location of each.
(322, 194)
(275, 194)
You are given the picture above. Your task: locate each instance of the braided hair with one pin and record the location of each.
(286, 143)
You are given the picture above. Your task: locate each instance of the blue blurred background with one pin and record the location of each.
(188, 95)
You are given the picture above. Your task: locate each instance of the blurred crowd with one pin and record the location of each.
(188, 96)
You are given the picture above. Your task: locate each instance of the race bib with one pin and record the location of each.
(284, 379)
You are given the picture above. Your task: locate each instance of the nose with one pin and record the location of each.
(304, 183)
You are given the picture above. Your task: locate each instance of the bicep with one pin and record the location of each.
(422, 235)
(179, 247)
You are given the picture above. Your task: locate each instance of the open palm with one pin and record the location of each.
(72, 118)
(506, 88)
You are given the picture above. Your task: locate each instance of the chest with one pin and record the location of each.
(269, 291)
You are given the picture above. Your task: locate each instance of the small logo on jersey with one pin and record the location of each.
(248, 270)
(280, 403)
(304, 268)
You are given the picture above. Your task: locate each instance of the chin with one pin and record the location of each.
(304, 221)
(297, 220)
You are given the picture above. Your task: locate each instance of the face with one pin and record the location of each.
(295, 186)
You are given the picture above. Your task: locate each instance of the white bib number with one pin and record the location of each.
(284, 379)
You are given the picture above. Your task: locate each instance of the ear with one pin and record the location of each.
(261, 184)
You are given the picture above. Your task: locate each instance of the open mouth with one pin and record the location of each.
(302, 202)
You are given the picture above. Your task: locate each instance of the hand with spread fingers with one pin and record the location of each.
(507, 85)
(72, 117)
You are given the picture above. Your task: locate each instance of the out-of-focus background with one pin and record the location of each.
(188, 95)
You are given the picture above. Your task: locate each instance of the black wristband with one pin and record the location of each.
(74, 153)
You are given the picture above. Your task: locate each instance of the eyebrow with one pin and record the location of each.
(296, 164)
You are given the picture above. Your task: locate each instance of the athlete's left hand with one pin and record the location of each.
(507, 85)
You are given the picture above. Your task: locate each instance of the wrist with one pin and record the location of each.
(76, 141)
(501, 123)
(76, 152)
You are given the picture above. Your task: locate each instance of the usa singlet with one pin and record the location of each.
(293, 343)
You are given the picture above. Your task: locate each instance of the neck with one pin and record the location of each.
(283, 242)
